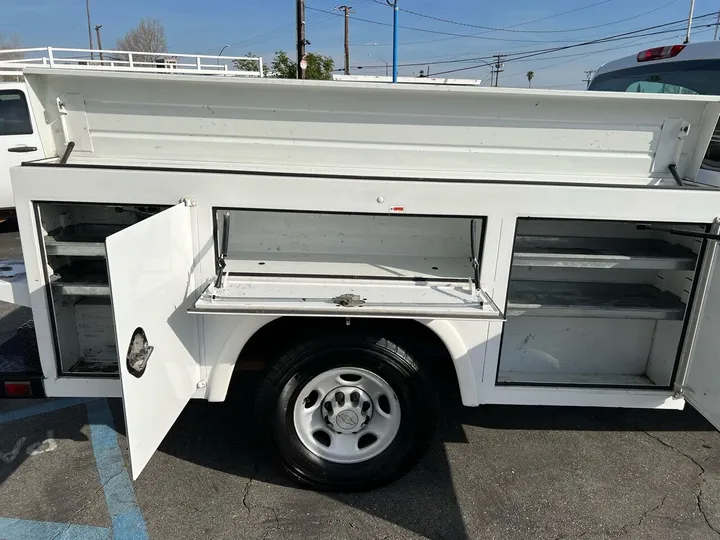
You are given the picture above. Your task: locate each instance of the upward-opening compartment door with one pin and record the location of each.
(152, 287)
(699, 377)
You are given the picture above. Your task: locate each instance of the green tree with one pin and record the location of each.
(249, 65)
(319, 67)
(9, 43)
(530, 76)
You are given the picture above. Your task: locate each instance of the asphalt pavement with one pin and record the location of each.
(493, 472)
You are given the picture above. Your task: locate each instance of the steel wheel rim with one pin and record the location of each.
(333, 420)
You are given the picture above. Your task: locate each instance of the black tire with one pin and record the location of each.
(294, 368)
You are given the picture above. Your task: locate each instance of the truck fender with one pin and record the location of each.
(464, 370)
(223, 370)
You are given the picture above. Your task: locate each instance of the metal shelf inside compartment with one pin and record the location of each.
(573, 379)
(82, 278)
(91, 367)
(83, 239)
(597, 300)
(585, 252)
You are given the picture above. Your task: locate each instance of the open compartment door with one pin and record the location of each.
(699, 373)
(152, 287)
(347, 297)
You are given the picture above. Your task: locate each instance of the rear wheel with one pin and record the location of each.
(348, 412)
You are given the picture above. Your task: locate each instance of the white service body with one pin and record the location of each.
(383, 193)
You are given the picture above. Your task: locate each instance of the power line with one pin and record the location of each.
(509, 28)
(439, 32)
(572, 46)
(530, 54)
(562, 31)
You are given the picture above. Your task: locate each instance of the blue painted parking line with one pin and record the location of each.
(127, 519)
(42, 408)
(22, 529)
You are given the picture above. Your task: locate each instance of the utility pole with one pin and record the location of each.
(717, 24)
(347, 10)
(87, 9)
(301, 41)
(497, 70)
(394, 4)
(690, 18)
(588, 77)
(97, 31)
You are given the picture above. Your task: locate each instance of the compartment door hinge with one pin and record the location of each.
(74, 121)
(670, 144)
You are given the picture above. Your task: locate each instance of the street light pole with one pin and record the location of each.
(394, 4)
(97, 31)
(220, 53)
(387, 66)
(87, 10)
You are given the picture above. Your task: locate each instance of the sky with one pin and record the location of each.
(266, 26)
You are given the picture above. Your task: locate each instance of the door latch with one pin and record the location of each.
(138, 353)
(349, 300)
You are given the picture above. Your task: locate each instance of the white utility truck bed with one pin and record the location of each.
(553, 246)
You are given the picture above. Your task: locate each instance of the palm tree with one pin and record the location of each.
(530, 75)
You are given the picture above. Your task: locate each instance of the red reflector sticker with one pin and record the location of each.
(18, 389)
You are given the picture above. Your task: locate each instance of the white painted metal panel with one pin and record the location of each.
(385, 130)
(701, 387)
(152, 285)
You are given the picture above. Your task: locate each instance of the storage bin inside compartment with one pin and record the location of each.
(395, 246)
(85, 335)
(596, 303)
(76, 273)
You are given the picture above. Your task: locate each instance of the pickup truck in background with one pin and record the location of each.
(19, 139)
(688, 69)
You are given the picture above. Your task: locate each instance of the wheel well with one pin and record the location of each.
(271, 339)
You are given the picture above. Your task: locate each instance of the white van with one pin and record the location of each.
(693, 68)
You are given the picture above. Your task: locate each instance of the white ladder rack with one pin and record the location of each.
(13, 61)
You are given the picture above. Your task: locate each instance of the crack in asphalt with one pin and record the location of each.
(245, 495)
(90, 500)
(622, 530)
(249, 509)
(699, 494)
(277, 522)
